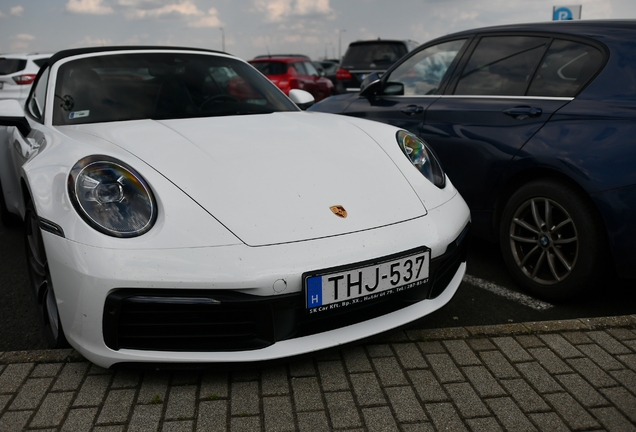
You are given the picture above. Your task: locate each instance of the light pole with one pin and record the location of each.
(340, 43)
(327, 50)
(222, 39)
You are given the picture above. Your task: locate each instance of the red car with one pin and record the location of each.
(294, 72)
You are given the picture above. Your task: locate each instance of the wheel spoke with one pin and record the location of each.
(548, 214)
(35, 242)
(38, 267)
(561, 225)
(563, 260)
(566, 240)
(51, 312)
(550, 259)
(538, 264)
(535, 214)
(523, 239)
(522, 264)
(40, 289)
(35, 258)
(526, 225)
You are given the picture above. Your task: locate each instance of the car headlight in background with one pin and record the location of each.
(111, 197)
(422, 158)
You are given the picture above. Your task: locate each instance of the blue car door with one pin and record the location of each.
(410, 87)
(490, 109)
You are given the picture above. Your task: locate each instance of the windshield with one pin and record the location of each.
(161, 86)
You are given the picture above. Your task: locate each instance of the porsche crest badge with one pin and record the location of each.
(339, 211)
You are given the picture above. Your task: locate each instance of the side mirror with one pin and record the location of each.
(301, 98)
(12, 114)
(370, 80)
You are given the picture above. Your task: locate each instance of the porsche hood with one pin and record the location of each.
(273, 178)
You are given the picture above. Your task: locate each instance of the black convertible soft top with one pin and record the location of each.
(78, 51)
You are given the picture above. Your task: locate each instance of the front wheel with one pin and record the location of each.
(551, 241)
(40, 281)
(6, 218)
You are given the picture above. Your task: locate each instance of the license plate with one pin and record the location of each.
(351, 285)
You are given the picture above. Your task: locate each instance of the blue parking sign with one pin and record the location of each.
(566, 13)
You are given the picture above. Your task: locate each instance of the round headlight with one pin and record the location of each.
(111, 197)
(422, 157)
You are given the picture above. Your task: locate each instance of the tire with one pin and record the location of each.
(551, 240)
(40, 281)
(6, 218)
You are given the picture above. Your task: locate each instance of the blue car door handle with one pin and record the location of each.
(412, 110)
(522, 112)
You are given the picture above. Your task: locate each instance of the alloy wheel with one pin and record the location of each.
(544, 241)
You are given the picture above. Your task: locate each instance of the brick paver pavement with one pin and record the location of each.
(549, 376)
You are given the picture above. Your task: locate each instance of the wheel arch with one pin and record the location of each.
(534, 174)
(26, 196)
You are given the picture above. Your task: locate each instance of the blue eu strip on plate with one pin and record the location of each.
(314, 292)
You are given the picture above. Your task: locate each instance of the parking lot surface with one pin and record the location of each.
(544, 376)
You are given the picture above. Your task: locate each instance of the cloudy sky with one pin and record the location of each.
(247, 28)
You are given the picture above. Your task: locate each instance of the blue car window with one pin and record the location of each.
(502, 65)
(422, 73)
(566, 67)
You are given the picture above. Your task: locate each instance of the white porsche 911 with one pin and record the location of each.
(179, 208)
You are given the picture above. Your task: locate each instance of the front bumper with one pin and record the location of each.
(218, 320)
(92, 285)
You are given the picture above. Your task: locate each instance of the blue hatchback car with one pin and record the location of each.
(536, 126)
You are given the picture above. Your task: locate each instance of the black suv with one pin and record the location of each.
(365, 57)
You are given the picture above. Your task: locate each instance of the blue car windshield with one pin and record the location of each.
(161, 86)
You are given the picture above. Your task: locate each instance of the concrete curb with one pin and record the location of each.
(427, 335)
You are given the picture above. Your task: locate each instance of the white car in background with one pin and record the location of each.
(17, 73)
(171, 218)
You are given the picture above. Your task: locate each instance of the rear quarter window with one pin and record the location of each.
(565, 69)
(9, 66)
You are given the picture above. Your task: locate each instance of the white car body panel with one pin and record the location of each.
(290, 198)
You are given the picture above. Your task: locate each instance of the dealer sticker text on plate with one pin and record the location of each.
(356, 285)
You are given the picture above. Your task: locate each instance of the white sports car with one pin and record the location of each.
(179, 208)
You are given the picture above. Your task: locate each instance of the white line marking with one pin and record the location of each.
(510, 295)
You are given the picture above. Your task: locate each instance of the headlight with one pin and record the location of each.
(111, 197)
(422, 158)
